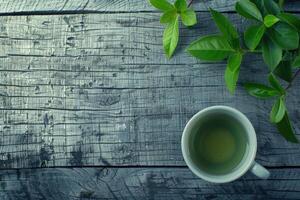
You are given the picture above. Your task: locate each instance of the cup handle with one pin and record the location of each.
(259, 171)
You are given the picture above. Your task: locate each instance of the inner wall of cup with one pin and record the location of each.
(236, 116)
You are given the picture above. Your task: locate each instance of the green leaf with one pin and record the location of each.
(253, 36)
(180, 5)
(275, 84)
(267, 6)
(188, 17)
(278, 111)
(260, 5)
(260, 91)
(170, 38)
(211, 48)
(162, 5)
(272, 53)
(289, 55)
(168, 16)
(226, 27)
(291, 19)
(296, 62)
(284, 70)
(270, 20)
(285, 36)
(271, 7)
(232, 71)
(286, 130)
(248, 9)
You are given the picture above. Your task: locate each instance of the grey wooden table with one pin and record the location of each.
(90, 108)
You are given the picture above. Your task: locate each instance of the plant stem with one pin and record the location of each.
(251, 51)
(190, 3)
(281, 2)
(293, 78)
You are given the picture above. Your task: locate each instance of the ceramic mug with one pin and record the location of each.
(247, 162)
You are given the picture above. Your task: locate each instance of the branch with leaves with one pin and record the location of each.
(170, 18)
(272, 33)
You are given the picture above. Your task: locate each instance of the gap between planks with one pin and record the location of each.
(131, 166)
(74, 12)
(79, 12)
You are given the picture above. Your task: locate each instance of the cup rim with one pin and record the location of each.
(244, 166)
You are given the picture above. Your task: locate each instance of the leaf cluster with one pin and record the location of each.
(170, 18)
(271, 32)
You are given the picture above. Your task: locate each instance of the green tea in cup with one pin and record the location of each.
(218, 144)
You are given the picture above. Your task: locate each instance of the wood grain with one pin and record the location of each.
(86, 6)
(96, 89)
(141, 183)
(58, 6)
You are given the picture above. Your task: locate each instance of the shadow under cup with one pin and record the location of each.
(216, 144)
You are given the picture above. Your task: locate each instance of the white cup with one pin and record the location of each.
(247, 163)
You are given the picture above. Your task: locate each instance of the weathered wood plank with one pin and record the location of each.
(58, 6)
(78, 90)
(13, 6)
(141, 183)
